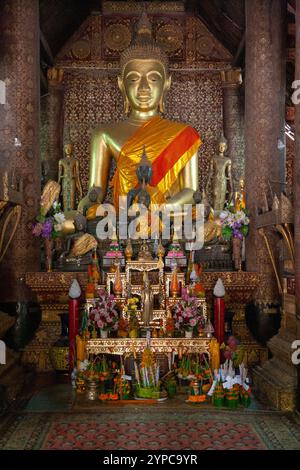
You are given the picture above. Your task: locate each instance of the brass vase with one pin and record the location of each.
(92, 389)
(48, 254)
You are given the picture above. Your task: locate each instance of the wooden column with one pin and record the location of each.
(296, 172)
(55, 119)
(19, 136)
(233, 117)
(264, 124)
(296, 192)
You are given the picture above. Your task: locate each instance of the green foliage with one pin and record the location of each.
(227, 233)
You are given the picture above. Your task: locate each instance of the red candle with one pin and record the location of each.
(73, 330)
(219, 318)
(74, 304)
(219, 311)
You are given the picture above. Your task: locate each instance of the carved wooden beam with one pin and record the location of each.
(43, 79)
(239, 51)
(46, 48)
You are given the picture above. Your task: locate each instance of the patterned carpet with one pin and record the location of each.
(151, 428)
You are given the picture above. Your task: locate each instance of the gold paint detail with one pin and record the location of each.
(158, 345)
(117, 37)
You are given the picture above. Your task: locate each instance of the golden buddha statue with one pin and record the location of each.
(240, 197)
(144, 252)
(171, 146)
(68, 177)
(220, 177)
(147, 301)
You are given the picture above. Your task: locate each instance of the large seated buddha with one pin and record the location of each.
(170, 146)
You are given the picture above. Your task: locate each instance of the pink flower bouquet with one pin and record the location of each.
(104, 314)
(187, 314)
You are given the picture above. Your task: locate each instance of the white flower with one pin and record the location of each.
(59, 217)
(223, 215)
(83, 365)
(55, 205)
(240, 216)
(57, 227)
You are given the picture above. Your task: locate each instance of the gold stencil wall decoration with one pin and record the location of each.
(116, 37)
(170, 37)
(81, 49)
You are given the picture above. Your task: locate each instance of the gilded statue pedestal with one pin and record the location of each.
(276, 380)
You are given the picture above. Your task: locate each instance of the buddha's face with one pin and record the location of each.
(222, 147)
(144, 83)
(68, 149)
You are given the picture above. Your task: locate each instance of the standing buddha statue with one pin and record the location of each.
(220, 177)
(171, 146)
(69, 178)
(147, 301)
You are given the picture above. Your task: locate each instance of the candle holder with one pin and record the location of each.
(92, 390)
(209, 329)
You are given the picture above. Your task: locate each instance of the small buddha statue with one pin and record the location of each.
(220, 177)
(240, 197)
(90, 208)
(147, 301)
(144, 174)
(144, 252)
(69, 178)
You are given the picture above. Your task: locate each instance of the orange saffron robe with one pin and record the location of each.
(169, 146)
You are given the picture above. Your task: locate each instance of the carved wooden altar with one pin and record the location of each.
(52, 294)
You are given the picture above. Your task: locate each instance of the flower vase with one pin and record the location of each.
(48, 254)
(103, 334)
(133, 333)
(188, 333)
(237, 253)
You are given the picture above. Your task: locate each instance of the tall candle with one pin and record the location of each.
(219, 311)
(74, 304)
